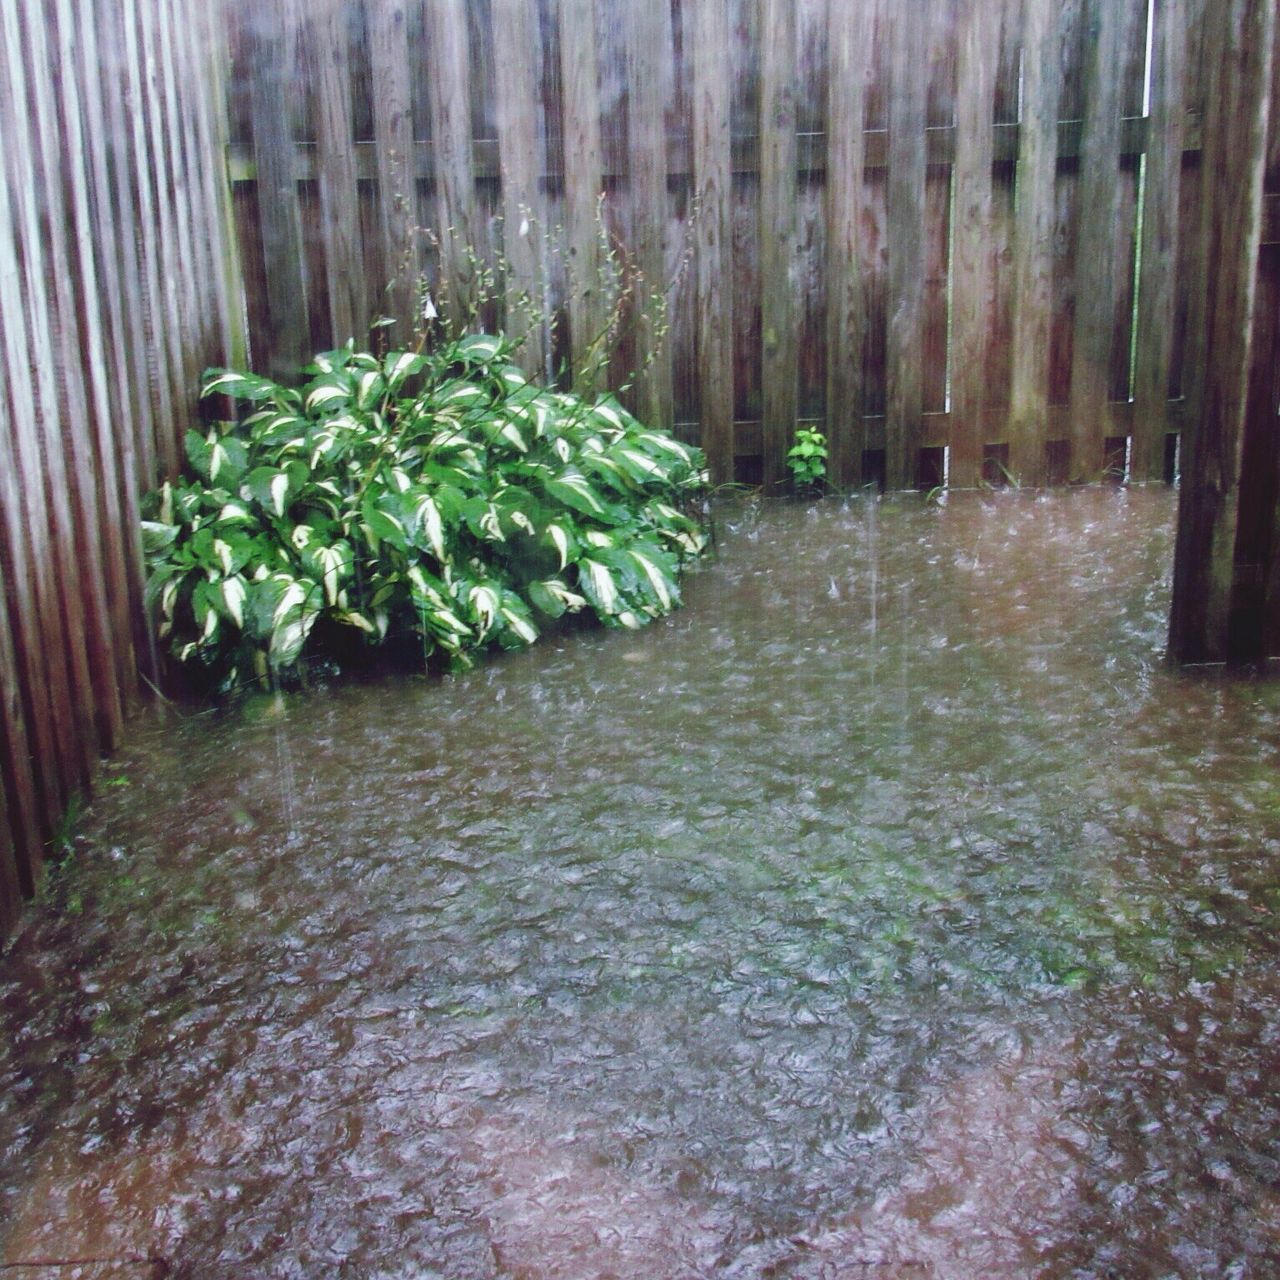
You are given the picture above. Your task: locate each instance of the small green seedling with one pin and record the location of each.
(807, 458)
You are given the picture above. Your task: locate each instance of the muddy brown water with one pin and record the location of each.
(890, 911)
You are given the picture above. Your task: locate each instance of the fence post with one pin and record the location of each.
(973, 228)
(1094, 318)
(649, 83)
(449, 66)
(1161, 187)
(278, 212)
(515, 50)
(712, 162)
(397, 173)
(1239, 39)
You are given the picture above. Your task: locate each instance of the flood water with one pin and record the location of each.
(890, 911)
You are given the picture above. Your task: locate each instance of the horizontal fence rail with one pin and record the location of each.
(116, 286)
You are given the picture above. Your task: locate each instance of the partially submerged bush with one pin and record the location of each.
(441, 493)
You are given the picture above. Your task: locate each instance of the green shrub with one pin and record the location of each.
(437, 493)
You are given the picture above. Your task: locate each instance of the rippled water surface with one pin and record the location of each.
(891, 910)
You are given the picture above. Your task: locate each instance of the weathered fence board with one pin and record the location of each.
(1033, 245)
(777, 230)
(712, 165)
(27, 810)
(20, 829)
(520, 142)
(1162, 176)
(849, 33)
(271, 40)
(393, 132)
(904, 425)
(327, 36)
(120, 385)
(36, 621)
(173, 249)
(1265, 393)
(1239, 39)
(972, 239)
(1098, 204)
(583, 170)
(649, 80)
(455, 186)
(49, 506)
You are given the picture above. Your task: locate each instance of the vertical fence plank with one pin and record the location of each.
(279, 216)
(744, 120)
(129, 428)
(583, 184)
(939, 57)
(975, 140)
(712, 161)
(1162, 179)
(1033, 243)
(41, 647)
(116, 239)
(1188, 272)
(207, 63)
(778, 164)
(114, 184)
(135, 185)
(397, 181)
(809, 279)
(1092, 326)
(1008, 94)
(75, 391)
(1252, 628)
(650, 79)
(849, 30)
(112, 524)
(521, 159)
(1238, 52)
(448, 58)
(189, 254)
(10, 884)
(51, 350)
(20, 839)
(165, 230)
(28, 811)
(909, 35)
(1267, 380)
(328, 36)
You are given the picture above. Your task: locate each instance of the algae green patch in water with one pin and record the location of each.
(891, 906)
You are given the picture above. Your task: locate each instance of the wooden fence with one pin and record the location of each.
(115, 288)
(961, 225)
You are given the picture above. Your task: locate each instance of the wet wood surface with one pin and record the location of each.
(1212, 559)
(115, 284)
(832, 199)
